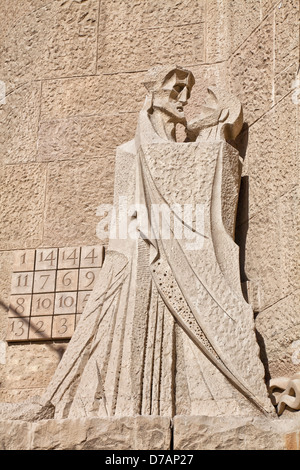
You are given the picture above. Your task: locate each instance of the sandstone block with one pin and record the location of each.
(252, 72)
(166, 46)
(266, 6)
(74, 191)
(243, 19)
(139, 433)
(22, 205)
(96, 95)
(30, 366)
(14, 435)
(229, 24)
(19, 124)
(85, 137)
(272, 249)
(6, 260)
(278, 327)
(207, 433)
(273, 163)
(125, 15)
(57, 40)
(286, 34)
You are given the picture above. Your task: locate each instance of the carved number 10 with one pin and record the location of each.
(66, 302)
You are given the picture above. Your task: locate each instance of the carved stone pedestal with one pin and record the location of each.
(153, 433)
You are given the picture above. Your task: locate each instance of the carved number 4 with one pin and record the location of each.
(91, 256)
(72, 256)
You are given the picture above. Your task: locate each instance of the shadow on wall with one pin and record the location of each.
(58, 349)
(241, 231)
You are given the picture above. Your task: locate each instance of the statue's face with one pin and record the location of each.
(172, 97)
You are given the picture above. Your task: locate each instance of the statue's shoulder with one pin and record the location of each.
(127, 147)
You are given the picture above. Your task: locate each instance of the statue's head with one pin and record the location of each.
(170, 90)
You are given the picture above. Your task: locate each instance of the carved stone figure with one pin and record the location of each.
(289, 392)
(167, 330)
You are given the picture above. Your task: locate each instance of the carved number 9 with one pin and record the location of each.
(90, 277)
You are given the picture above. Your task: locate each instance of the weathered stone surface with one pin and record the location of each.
(286, 34)
(266, 6)
(217, 44)
(166, 46)
(14, 435)
(272, 155)
(285, 82)
(279, 335)
(18, 131)
(22, 205)
(121, 16)
(30, 366)
(87, 96)
(272, 245)
(14, 11)
(244, 18)
(128, 433)
(57, 40)
(205, 433)
(85, 116)
(79, 138)
(252, 72)
(29, 410)
(74, 191)
(229, 24)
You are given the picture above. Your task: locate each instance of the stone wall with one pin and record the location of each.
(73, 72)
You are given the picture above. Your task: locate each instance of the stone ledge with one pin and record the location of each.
(235, 433)
(152, 433)
(125, 433)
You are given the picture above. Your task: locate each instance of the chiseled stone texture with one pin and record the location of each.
(279, 334)
(29, 368)
(124, 15)
(14, 435)
(85, 137)
(207, 433)
(286, 53)
(251, 69)
(74, 191)
(163, 46)
(94, 95)
(272, 156)
(19, 120)
(57, 40)
(271, 248)
(134, 36)
(128, 433)
(22, 205)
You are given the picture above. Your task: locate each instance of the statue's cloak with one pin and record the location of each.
(167, 330)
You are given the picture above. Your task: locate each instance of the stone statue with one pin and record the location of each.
(167, 330)
(286, 391)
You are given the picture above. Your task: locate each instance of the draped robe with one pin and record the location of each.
(166, 330)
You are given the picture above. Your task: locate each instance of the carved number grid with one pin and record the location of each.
(49, 290)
